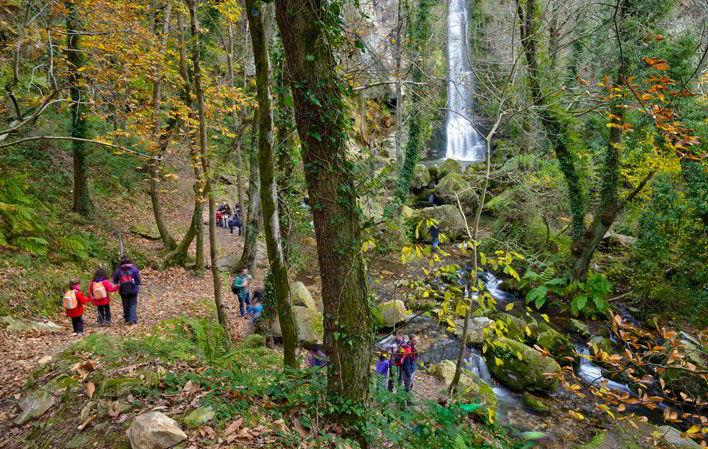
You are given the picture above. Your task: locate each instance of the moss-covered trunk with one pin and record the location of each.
(252, 221)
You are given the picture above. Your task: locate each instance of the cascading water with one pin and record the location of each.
(464, 143)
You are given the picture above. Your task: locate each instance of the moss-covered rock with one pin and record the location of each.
(534, 403)
(475, 329)
(390, 313)
(450, 221)
(310, 325)
(449, 166)
(421, 177)
(453, 186)
(34, 405)
(521, 367)
(599, 343)
(471, 388)
(554, 342)
(517, 327)
(199, 416)
(580, 328)
(147, 232)
(14, 325)
(301, 296)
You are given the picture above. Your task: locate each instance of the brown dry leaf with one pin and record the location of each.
(90, 389)
(299, 428)
(234, 426)
(87, 422)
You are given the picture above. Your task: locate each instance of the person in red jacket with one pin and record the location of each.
(99, 290)
(74, 297)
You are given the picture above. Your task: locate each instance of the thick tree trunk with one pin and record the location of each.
(269, 198)
(204, 157)
(161, 29)
(79, 127)
(399, 83)
(235, 118)
(252, 219)
(322, 122)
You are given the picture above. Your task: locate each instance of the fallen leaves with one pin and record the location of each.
(89, 389)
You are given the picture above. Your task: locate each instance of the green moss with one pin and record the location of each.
(597, 442)
(521, 367)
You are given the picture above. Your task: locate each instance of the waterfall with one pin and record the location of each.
(592, 374)
(464, 143)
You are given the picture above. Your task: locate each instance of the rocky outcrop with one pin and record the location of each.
(521, 367)
(475, 328)
(471, 388)
(310, 327)
(154, 430)
(301, 296)
(390, 313)
(449, 219)
(421, 177)
(453, 186)
(34, 406)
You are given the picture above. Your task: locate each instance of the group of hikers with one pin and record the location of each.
(397, 363)
(228, 218)
(126, 281)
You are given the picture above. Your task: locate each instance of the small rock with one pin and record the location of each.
(279, 426)
(534, 403)
(674, 439)
(46, 326)
(44, 360)
(154, 430)
(34, 406)
(199, 416)
(599, 343)
(580, 328)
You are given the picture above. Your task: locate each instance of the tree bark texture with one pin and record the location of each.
(252, 219)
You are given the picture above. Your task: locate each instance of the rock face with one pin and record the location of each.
(471, 388)
(154, 430)
(672, 437)
(449, 218)
(390, 313)
(421, 177)
(301, 296)
(476, 327)
(533, 371)
(34, 406)
(454, 185)
(199, 416)
(580, 328)
(310, 327)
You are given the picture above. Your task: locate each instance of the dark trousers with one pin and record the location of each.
(244, 299)
(104, 314)
(231, 229)
(78, 324)
(130, 308)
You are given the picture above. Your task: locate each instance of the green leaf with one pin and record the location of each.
(578, 303)
(537, 296)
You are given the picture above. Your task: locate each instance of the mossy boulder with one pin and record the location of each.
(554, 342)
(147, 232)
(534, 403)
(310, 325)
(421, 177)
(449, 166)
(13, 325)
(521, 367)
(501, 202)
(453, 186)
(301, 296)
(390, 313)
(517, 327)
(580, 328)
(450, 221)
(199, 416)
(471, 388)
(599, 343)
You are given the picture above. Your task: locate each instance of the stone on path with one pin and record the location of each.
(154, 430)
(34, 406)
(674, 439)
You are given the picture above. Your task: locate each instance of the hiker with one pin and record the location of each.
(382, 371)
(219, 217)
(74, 301)
(239, 287)
(255, 310)
(316, 357)
(235, 222)
(127, 276)
(395, 361)
(99, 290)
(435, 236)
(408, 362)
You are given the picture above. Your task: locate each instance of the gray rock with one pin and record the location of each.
(14, 325)
(674, 439)
(301, 296)
(531, 371)
(580, 328)
(199, 416)
(390, 313)
(450, 221)
(421, 177)
(454, 186)
(154, 430)
(476, 327)
(310, 325)
(34, 406)
(46, 326)
(615, 239)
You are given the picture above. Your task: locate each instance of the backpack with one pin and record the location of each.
(69, 300)
(234, 287)
(397, 357)
(406, 351)
(98, 291)
(127, 283)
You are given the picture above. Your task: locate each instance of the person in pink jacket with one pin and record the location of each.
(100, 289)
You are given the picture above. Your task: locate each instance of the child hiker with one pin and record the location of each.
(99, 290)
(382, 368)
(74, 301)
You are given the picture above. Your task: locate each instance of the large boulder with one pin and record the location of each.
(471, 388)
(34, 406)
(554, 342)
(448, 166)
(521, 367)
(672, 438)
(475, 328)
(453, 186)
(301, 296)
(390, 313)
(154, 430)
(450, 220)
(516, 328)
(310, 325)
(421, 177)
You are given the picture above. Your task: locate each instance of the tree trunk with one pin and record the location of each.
(399, 82)
(79, 128)
(322, 122)
(161, 30)
(252, 220)
(234, 116)
(204, 157)
(269, 198)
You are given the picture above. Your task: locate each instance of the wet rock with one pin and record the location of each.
(471, 389)
(421, 177)
(310, 327)
(534, 403)
(390, 313)
(301, 296)
(199, 416)
(34, 406)
(673, 438)
(449, 219)
(475, 331)
(554, 342)
(454, 186)
(154, 430)
(531, 371)
(580, 328)
(599, 343)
